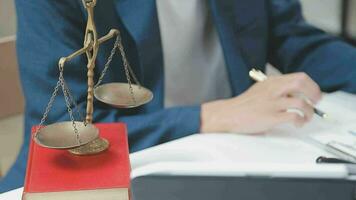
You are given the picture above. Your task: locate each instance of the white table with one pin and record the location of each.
(12, 195)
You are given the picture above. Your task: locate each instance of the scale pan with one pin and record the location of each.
(62, 136)
(118, 95)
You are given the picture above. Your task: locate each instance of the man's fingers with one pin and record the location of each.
(291, 117)
(288, 103)
(301, 84)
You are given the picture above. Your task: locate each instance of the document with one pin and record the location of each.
(284, 147)
(337, 131)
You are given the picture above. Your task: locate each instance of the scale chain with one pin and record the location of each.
(70, 111)
(73, 102)
(49, 106)
(107, 64)
(125, 61)
(68, 98)
(128, 70)
(134, 76)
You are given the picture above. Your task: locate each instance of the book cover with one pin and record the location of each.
(57, 174)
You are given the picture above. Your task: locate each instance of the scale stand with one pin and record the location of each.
(82, 138)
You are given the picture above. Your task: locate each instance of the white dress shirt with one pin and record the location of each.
(194, 65)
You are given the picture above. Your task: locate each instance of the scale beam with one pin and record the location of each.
(88, 47)
(81, 51)
(112, 33)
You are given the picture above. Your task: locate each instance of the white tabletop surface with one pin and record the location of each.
(12, 195)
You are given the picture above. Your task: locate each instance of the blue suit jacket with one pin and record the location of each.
(252, 33)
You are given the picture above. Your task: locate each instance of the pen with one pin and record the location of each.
(322, 159)
(259, 76)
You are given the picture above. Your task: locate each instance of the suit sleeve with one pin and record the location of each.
(297, 46)
(51, 29)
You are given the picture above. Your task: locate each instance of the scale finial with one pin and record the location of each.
(89, 3)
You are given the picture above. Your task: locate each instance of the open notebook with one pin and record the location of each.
(284, 151)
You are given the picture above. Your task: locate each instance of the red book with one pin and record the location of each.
(59, 175)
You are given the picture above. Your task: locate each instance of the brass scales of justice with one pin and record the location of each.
(82, 137)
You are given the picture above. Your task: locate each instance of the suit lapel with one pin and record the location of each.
(140, 19)
(232, 18)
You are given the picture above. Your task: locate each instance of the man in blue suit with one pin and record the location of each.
(194, 55)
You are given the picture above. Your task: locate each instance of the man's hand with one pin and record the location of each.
(263, 106)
